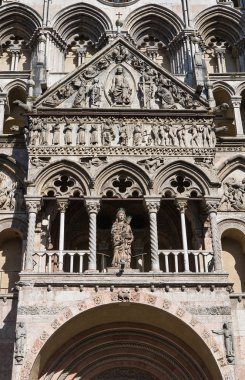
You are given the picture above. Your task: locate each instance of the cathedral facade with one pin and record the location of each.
(122, 190)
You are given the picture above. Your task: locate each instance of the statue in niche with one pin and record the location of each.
(228, 341)
(146, 90)
(35, 132)
(94, 138)
(155, 134)
(107, 133)
(94, 93)
(123, 134)
(137, 139)
(80, 99)
(164, 93)
(122, 238)
(44, 134)
(56, 134)
(120, 90)
(81, 134)
(20, 340)
(68, 134)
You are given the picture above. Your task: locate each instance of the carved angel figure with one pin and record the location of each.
(122, 238)
(120, 90)
(94, 93)
(80, 99)
(164, 93)
(107, 133)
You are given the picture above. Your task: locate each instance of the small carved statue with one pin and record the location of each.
(164, 93)
(120, 90)
(137, 139)
(146, 90)
(155, 134)
(56, 134)
(68, 134)
(35, 131)
(122, 238)
(94, 138)
(81, 134)
(20, 340)
(107, 133)
(228, 341)
(194, 134)
(44, 135)
(123, 134)
(80, 99)
(94, 93)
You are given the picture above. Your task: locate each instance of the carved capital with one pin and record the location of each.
(212, 205)
(33, 205)
(181, 204)
(236, 101)
(92, 206)
(62, 204)
(152, 205)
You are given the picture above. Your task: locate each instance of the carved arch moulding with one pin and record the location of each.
(106, 298)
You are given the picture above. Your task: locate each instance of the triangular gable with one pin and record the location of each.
(120, 76)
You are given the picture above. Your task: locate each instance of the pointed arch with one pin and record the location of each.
(229, 165)
(63, 167)
(224, 86)
(127, 168)
(153, 19)
(194, 173)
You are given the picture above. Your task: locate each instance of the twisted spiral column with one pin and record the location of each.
(33, 206)
(93, 209)
(153, 208)
(212, 207)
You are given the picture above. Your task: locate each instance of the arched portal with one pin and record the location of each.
(125, 341)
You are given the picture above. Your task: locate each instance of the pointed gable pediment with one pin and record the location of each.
(119, 76)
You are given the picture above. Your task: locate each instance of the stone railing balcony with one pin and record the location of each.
(55, 260)
(199, 261)
(75, 261)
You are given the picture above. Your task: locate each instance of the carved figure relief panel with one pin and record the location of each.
(11, 193)
(121, 78)
(101, 131)
(233, 196)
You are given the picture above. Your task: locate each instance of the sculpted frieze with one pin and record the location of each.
(122, 77)
(11, 194)
(128, 132)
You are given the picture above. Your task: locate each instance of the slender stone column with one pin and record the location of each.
(153, 206)
(236, 103)
(62, 206)
(182, 205)
(212, 207)
(3, 98)
(33, 206)
(93, 207)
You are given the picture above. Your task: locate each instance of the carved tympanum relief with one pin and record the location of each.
(121, 78)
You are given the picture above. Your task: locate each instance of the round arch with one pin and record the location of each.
(26, 21)
(232, 232)
(156, 19)
(209, 23)
(155, 313)
(83, 18)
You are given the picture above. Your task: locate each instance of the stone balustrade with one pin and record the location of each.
(48, 261)
(199, 261)
(73, 261)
